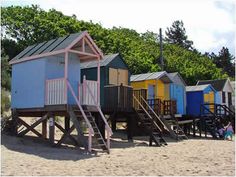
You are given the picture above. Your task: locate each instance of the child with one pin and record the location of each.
(229, 131)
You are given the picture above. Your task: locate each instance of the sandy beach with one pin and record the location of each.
(193, 157)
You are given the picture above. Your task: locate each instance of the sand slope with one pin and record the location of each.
(23, 156)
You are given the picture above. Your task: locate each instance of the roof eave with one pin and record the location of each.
(11, 62)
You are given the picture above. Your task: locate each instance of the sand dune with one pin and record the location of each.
(28, 156)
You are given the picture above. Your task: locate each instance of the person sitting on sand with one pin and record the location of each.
(229, 131)
(221, 132)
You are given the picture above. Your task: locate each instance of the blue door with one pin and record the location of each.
(151, 95)
(151, 92)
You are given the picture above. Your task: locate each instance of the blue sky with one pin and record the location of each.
(210, 24)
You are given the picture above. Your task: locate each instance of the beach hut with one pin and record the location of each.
(157, 88)
(45, 81)
(197, 96)
(156, 84)
(178, 92)
(223, 89)
(114, 72)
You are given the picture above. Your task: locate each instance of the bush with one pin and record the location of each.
(5, 103)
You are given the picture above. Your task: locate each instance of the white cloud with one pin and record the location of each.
(203, 19)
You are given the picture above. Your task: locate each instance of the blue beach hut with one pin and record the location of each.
(178, 92)
(46, 82)
(198, 95)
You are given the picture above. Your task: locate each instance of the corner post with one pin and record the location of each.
(44, 129)
(98, 82)
(66, 75)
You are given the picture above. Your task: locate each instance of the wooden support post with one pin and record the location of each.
(194, 127)
(130, 124)
(150, 140)
(52, 130)
(67, 123)
(205, 129)
(44, 129)
(113, 124)
(15, 122)
(200, 129)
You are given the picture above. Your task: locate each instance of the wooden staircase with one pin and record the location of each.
(168, 108)
(151, 128)
(160, 126)
(76, 116)
(211, 121)
(79, 113)
(180, 135)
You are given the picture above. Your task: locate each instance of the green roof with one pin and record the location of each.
(104, 62)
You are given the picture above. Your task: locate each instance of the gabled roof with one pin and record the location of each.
(176, 78)
(232, 84)
(47, 46)
(104, 62)
(198, 88)
(217, 84)
(57, 46)
(151, 76)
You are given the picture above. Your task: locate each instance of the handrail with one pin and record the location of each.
(146, 111)
(210, 112)
(153, 112)
(78, 104)
(228, 109)
(99, 110)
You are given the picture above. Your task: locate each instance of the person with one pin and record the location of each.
(221, 132)
(229, 131)
(220, 128)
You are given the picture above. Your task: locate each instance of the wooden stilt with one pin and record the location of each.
(52, 130)
(67, 123)
(200, 129)
(194, 127)
(44, 129)
(113, 122)
(15, 122)
(130, 124)
(205, 129)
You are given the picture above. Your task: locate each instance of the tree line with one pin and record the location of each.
(24, 26)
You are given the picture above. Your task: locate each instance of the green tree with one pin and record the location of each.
(176, 34)
(31, 24)
(5, 71)
(225, 60)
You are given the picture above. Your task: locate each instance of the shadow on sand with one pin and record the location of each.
(39, 147)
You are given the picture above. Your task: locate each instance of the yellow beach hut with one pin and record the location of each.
(156, 84)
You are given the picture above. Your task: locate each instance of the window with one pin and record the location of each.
(118, 76)
(223, 97)
(229, 98)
